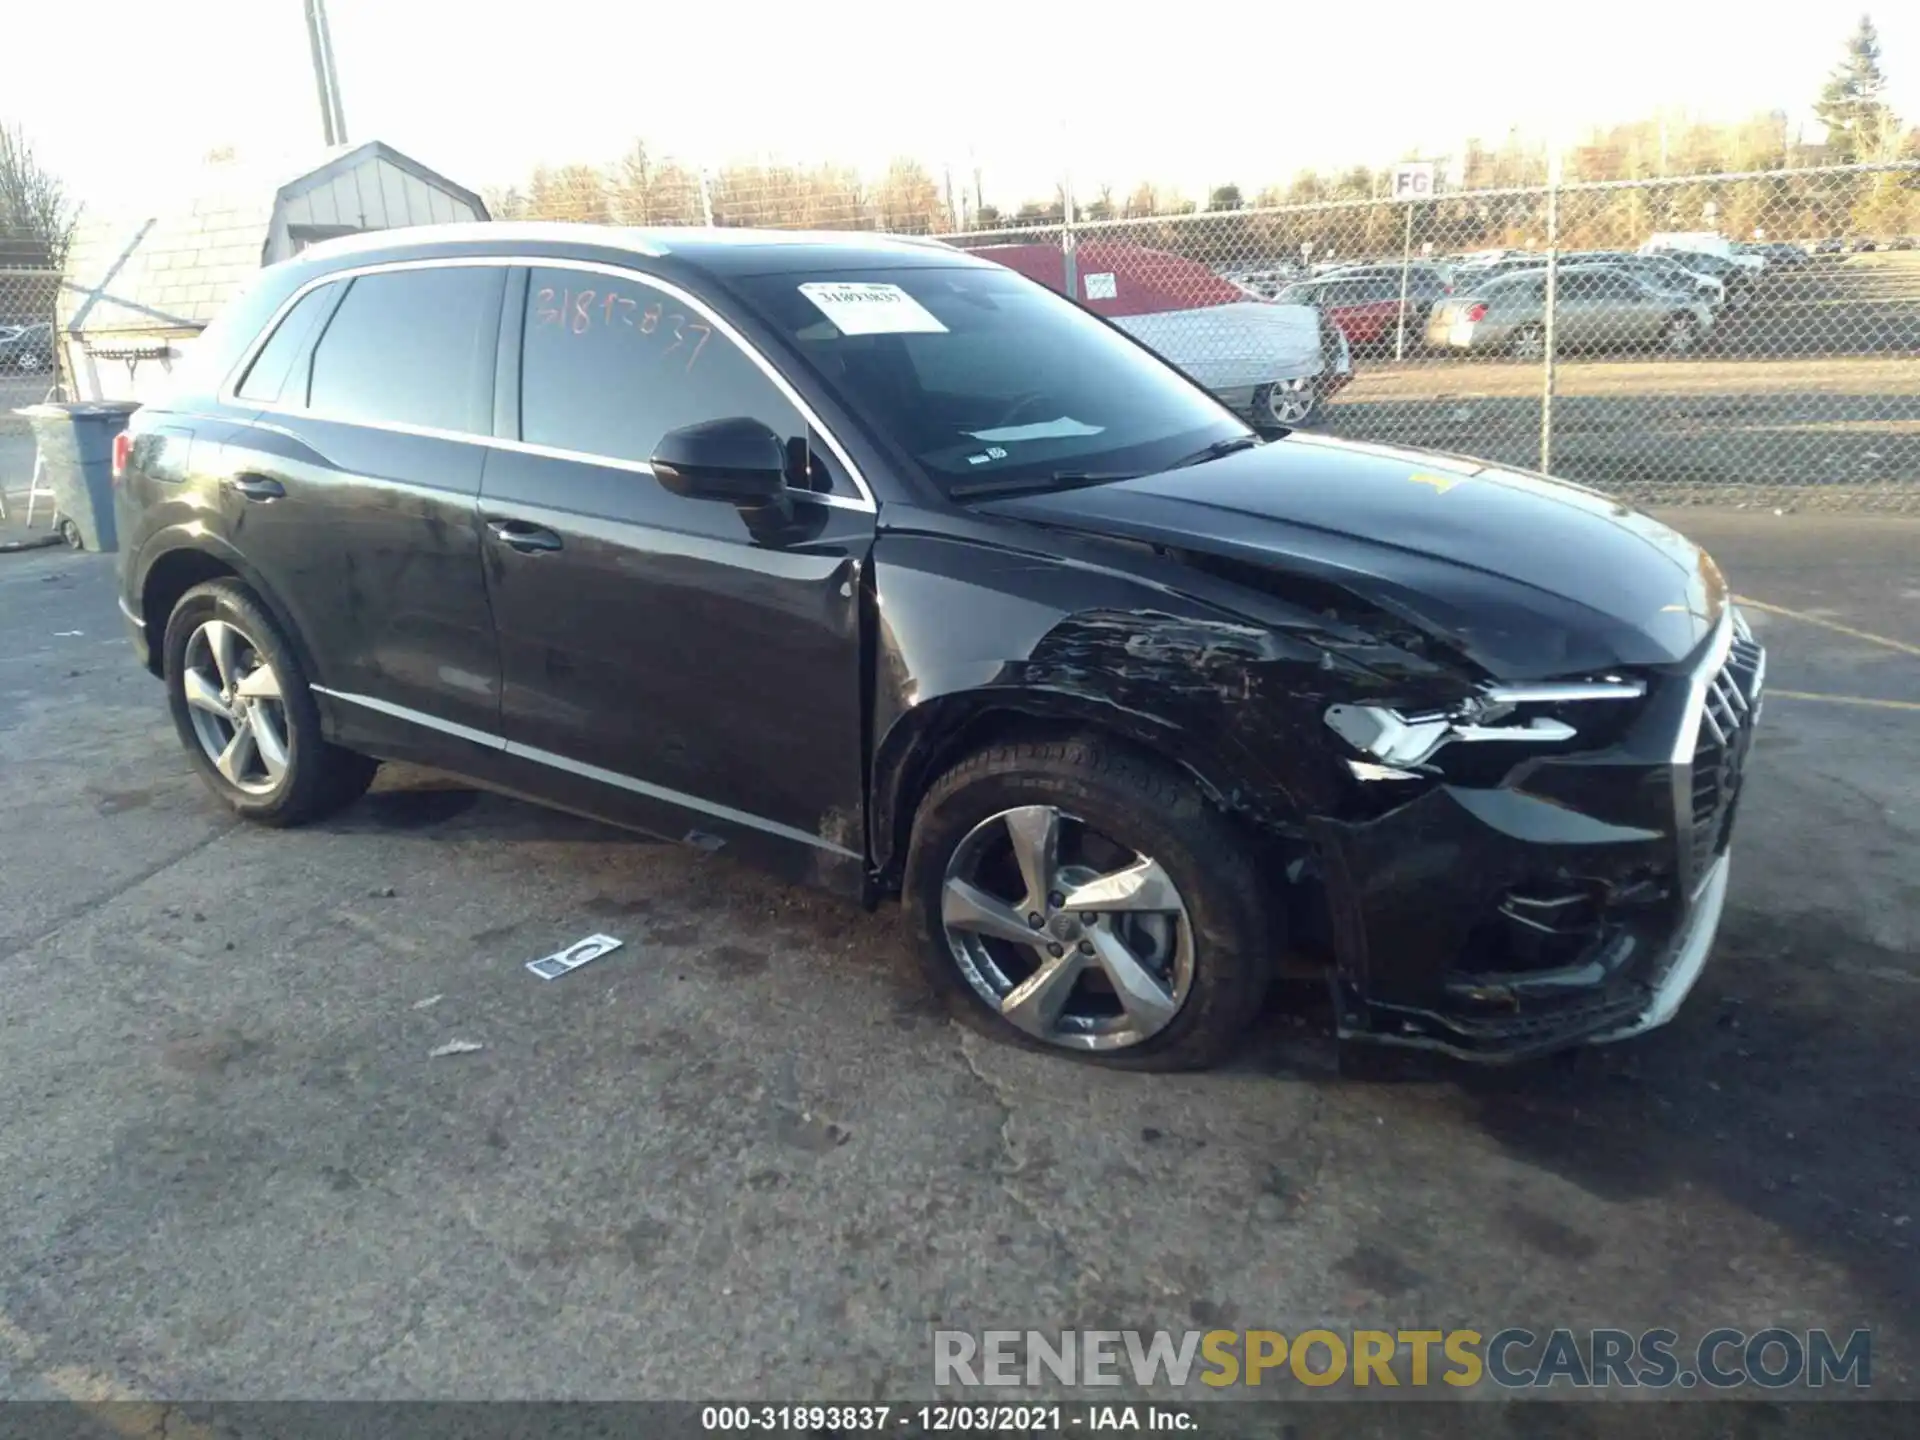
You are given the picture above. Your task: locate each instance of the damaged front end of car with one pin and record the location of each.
(1537, 865)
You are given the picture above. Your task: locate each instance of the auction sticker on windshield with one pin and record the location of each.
(861, 307)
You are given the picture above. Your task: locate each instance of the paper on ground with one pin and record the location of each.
(552, 967)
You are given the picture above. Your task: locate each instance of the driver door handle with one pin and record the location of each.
(521, 536)
(258, 487)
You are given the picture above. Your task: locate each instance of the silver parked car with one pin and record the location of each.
(1598, 307)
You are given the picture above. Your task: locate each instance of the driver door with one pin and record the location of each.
(660, 665)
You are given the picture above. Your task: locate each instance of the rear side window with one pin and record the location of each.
(413, 347)
(267, 377)
(612, 364)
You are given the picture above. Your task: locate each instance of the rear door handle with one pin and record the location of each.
(258, 487)
(523, 537)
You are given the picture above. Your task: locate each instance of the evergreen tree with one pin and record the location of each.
(1853, 104)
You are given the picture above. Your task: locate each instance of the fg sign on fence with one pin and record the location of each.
(1413, 180)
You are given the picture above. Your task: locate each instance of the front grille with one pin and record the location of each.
(1729, 706)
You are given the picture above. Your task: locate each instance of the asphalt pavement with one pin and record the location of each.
(746, 1156)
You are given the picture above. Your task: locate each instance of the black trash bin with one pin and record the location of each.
(76, 447)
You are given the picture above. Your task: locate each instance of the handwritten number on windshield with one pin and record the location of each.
(575, 312)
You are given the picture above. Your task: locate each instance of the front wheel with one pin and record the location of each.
(1070, 896)
(245, 714)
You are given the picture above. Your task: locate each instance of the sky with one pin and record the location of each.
(1195, 96)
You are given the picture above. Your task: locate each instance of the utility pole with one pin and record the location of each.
(326, 76)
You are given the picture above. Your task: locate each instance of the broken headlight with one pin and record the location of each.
(1398, 742)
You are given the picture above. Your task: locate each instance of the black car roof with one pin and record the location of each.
(719, 251)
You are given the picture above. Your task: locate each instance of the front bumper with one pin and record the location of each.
(1574, 902)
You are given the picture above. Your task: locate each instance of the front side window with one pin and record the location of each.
(610, 364)
(412, 347)
(985, 378)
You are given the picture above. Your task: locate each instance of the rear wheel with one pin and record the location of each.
(1529, 342)
(245, 714)
(1069, 896)
(1281, 403)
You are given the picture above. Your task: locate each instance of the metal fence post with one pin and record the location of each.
(1552, 306)
(1067, 258)
(1406, 261)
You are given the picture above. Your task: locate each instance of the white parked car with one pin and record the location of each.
(1274, 363)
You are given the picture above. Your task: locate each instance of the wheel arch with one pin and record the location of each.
(180, 563)
(928, 740)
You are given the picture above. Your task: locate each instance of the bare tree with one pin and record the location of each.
(34, 205)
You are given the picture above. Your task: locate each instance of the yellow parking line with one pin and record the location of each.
(1773, 694)
(1902, 646)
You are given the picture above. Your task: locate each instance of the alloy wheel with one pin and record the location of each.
(233, 697)
(1070, 936)
(1289, 407)
(1680, 335)
(1529, 344)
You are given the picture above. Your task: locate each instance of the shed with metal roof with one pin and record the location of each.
(139, 290)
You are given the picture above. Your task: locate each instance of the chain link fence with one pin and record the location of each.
(1746, 339)
(28, 358)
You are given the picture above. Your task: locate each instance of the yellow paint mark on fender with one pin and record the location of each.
(1441, 483)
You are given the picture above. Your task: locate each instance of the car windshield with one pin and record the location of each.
(988, 380)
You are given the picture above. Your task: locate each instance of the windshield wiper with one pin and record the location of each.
(1216, 450)
(1033, 484)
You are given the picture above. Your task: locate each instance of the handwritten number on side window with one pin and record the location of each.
(700, 344)
(572, 313)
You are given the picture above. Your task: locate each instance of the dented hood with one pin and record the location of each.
(1526, 576)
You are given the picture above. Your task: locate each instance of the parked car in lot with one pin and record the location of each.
(1660, 271)
(1781, 253)
(1703, 242)
(883, 566)
(1832, 245)
(1367, 307)
(1738, 282)
(1465, 277)
(27, 348)
(1597, 307)
(1424, 277)
(1275, 363)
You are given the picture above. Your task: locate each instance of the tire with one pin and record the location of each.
(1528, 343)
(1274, 404)
(1215, 946)
(311, 778)
(1681, 335)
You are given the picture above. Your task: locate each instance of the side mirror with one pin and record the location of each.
(738, 460)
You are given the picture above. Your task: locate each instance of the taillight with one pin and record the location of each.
(122, 450)
(1477, 311)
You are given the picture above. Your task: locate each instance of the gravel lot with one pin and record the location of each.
(744, 1155)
